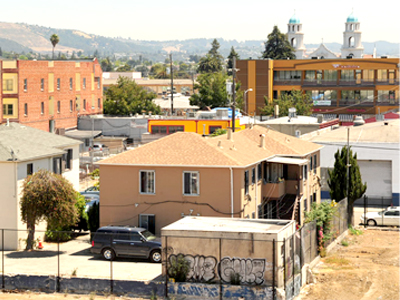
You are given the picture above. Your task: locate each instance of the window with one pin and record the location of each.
(84, 83)
(26, 109)
(259, 172)
(98, 103)
(42, 108)
(213, 129)
(29, 169)
(305, 204)
(58, 106)
(253, 176)
(42, 84)
(315, 163)
(305, 172)
(8, 85)
(87, 142)
(57, 161)
(84, 104)
(70, 83)
(246, 182)
(8, 109)
(147, 182)
(191, 183)
(68, 159)
(253, 215)
(70, 105)
(58, 83)
(311, 162)
(25, 85)
(166, 129)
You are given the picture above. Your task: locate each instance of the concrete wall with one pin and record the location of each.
(291, 129)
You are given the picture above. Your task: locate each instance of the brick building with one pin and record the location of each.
(50, 95)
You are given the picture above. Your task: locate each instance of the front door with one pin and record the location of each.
(148, 222)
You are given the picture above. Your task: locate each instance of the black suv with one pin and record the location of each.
(113, 241)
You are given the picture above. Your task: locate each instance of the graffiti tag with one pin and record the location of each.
(250, 271)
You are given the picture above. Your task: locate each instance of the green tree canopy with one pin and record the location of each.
(277, 46)
(229, 65)
(54, 39)
(47, 196)
(338, 179)
(302, 102)
(106, 64)
(127, 97)
(212, 62)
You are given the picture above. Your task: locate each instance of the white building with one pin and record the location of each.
(351, 46)
(23, 151)
(377, 148)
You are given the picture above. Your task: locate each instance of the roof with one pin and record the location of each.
(376, 132)
(352, 18)
(180, 102)
(213, 224)
(295, 120)
(191, 149)
(27, 143)
(294, 20)
(82, 134)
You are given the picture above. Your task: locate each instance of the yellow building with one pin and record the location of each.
(339, 86)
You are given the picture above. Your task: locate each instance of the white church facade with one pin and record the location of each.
(351, 46)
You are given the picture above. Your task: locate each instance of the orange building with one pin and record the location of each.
(50, 95)
(201, 126)
(339, 86)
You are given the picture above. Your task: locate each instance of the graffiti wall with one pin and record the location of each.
(208, 269)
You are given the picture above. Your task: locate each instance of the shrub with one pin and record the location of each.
(354, 231)
(179, 268)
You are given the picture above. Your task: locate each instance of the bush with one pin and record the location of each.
(354, 231)
(179, 268)
(93, 215)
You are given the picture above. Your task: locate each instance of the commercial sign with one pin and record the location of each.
(339, 66)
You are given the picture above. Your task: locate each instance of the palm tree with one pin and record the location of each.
(54, 39)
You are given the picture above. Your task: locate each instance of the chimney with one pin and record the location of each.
(262, 140)
(230, 134)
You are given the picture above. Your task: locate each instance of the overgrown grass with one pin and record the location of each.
(345, 243)
(337, 260)
(354, 231)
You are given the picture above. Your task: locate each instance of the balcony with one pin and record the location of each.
(287, 81)
(319, 82)
(390, 81)
(274, 190)
(356, 102)
(342, 82)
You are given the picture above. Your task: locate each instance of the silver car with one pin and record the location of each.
(387, 217)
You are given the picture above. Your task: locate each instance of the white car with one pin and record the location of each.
(387, 217)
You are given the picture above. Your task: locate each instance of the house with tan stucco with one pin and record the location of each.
(255, 173)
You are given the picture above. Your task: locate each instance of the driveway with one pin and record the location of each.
(76, 260)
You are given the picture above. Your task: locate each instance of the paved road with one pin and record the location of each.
(75, 257)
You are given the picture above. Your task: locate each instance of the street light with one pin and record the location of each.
(245, 99)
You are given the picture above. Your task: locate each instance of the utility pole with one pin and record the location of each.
(233, 92)
(172, 85)
(348, 164)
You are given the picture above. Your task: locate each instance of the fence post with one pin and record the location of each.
(58, 262)
(284, 263)
(365, 211)
(2, 259)
(220, 280)
(166, 267)
(315, 226)
(301, 255)
(273, 270)
(382, 208)
(293, 248)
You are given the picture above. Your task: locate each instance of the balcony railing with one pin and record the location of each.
(390, 81)
(274, 189)
(342, 82)
(287, 81)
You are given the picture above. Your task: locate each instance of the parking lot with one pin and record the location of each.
(75, 259)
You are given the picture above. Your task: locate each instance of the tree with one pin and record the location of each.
(277, 46)
(1, 52)
(47, 196)
(212, 62)
(302, 102)
(54, 39)
(127, 97)
(106, 64)
(124, 68)
(338, 180)
(229, 65)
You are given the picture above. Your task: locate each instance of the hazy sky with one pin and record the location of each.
(234, 19)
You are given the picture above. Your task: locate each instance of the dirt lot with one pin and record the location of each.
(368, 268)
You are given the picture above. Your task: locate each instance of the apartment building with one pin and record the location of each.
(50, 95)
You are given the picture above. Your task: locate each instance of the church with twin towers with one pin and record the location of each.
(351, 46)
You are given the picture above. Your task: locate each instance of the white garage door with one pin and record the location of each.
(378, 175)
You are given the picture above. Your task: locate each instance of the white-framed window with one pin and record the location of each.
(147, 182)
(191, 183)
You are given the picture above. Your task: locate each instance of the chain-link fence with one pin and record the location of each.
(376, 212)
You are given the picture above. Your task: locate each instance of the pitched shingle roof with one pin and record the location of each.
(191, 149)
(28, 143)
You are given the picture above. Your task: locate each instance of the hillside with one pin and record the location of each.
(21, 37)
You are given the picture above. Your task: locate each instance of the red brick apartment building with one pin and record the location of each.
(50, 95)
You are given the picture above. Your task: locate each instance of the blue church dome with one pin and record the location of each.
(352, 18)
(294, 20)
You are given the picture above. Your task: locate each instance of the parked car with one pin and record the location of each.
(91, 197)
(99, 149)
(387, 217)
(118, 241)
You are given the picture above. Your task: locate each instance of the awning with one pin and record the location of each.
(82, 134)
(288, 160)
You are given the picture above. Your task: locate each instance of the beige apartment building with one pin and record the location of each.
(254, 173)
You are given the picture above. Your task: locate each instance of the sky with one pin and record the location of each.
(234, 19)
